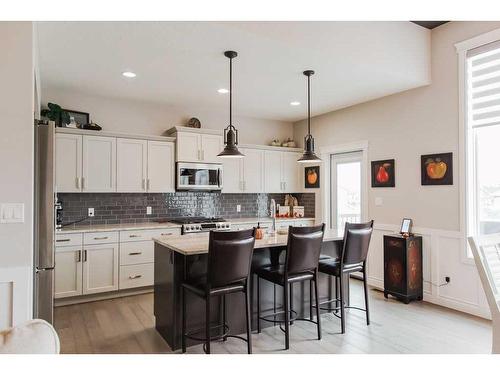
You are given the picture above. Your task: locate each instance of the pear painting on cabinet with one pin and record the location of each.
(383, 173)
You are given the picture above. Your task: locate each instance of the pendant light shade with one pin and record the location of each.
(309, 156)
(230, 132)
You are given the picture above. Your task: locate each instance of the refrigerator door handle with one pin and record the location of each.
(37, 270)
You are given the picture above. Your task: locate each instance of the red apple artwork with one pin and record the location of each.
(383, 173)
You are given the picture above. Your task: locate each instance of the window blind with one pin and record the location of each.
(483, 85)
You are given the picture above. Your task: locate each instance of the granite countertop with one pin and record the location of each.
(153, 225)
(197, 243)
(116, 227)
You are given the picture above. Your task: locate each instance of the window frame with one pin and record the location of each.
(467, 149)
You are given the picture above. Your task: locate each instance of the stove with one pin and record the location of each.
(198, 224)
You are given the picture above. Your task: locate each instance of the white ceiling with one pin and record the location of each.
(182, 63)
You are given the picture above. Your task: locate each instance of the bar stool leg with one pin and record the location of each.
(291, 301)
(318, 317)
(311, 300)
(224, 315)
(287, 316)
(249, 329)
(258, 304)
(274, 301)
(251, 299)
(365, 285)
(342, 310)
(207, 324)
(336, 292)
(183, 296)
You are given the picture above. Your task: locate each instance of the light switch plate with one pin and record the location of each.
(379, 201)
(12, 213)
(149, 210)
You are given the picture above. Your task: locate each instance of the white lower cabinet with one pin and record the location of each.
(68, 271)
(100, 268)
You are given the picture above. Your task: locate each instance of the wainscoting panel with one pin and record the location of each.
(443, 255)
(16, 298)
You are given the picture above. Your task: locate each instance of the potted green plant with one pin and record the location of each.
(56, 113)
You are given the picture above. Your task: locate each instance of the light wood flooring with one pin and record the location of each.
(125, 325)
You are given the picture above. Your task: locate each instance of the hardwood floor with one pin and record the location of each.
(125, 325)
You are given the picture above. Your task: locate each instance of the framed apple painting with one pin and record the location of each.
(311, 177)
(437, 169)
(383, 173)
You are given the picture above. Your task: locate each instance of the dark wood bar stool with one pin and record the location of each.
(229, 260)
(301, 264)
(353, 259)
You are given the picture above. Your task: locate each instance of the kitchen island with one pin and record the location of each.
(184, 257)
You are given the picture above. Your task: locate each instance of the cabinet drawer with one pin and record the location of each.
(304, 223)
(96, 238)
(146, 234)
(137, 275)
(136, 252)
(70, 239)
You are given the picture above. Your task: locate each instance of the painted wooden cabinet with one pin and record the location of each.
(68, 162)
(131, 165)
(232, 175)
(281, 172)
(98, 164)
(290, 172)
(244, 175)
(68, 271)
(100, 268)
(160, 167)
(195, 145)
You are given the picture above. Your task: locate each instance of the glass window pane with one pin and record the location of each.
(348, 193)
(488, 179)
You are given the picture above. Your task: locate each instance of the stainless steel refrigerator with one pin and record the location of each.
(44, 223)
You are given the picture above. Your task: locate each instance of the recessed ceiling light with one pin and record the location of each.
(222, 91)
(129, 74)
(295, 103)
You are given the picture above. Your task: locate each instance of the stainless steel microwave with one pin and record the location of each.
(195, 176)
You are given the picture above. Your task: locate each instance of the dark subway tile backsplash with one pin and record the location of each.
(123, 208)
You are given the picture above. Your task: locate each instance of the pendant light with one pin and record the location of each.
(309, 156)
(230, 133)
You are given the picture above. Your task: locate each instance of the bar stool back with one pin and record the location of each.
(229, 261)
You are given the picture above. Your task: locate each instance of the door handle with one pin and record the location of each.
(78, 256)
(84, 255)
(64, 240)
(135, 277)
(100, 238)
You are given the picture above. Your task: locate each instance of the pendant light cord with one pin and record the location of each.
(308, 105)
(230, 91)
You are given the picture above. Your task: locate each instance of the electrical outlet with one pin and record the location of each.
(149, 210)
(238, 208)
(91, 212)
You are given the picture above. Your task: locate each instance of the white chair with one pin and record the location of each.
(486, 250)
(32, 337)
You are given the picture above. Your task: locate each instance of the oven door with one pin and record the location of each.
(194, 176)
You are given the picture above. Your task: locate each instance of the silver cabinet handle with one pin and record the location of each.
(202, 154)
(64, 240)
(135, 253)
(83, 183)
(143, 184)
(78, 256)
(284, 185)
(100, 238)
(166, 234)
(77, 180)
(148, 184)
(84, 255)
(135, 277)
(134, 235)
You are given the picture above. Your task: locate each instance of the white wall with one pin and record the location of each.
(404, 126)
(130, 116)
(16, 169)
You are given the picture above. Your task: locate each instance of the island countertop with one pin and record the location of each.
(197, 243)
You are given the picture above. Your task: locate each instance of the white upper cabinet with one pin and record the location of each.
(272, 172)
(68, 163)
(253, 170)
(160, 169)
(188, 147)
(290, 172)
(131, 165)
(211, 146)
(196, 145)
(99, 164)
(232, 175)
